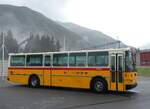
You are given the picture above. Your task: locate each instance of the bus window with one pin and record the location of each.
(91, 59)
(102, 59)
(81, 59)
(129, 63)
(72, 60)
(34, 60)
(18, 60)
(98, 59)
(47, 61)
(60, 59)
(77, 59)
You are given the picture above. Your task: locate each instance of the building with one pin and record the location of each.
(145, 57)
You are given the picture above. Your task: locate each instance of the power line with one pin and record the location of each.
(104, 45)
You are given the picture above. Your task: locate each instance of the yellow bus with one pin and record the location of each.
(98, 70)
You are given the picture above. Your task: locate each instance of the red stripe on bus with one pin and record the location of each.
(54, 68)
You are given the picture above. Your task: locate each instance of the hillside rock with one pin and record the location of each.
(22, 21)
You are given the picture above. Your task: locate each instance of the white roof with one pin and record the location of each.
(80, 51)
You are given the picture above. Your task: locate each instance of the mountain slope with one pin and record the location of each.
(22, 21)
(93, 37)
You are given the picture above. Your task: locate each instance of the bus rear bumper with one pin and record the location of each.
(128, 87)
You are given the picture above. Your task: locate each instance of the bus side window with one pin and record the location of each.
(60, 59)
(77, 59)
(91, 60)
(72, 60)
(98, 59)
(47, 61)
(18, 60)
(81, 60)
(102, 59)
(34, 60)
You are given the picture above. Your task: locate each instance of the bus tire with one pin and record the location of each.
(34, 81)
(99, 85)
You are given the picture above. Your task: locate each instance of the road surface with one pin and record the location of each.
(14, 96)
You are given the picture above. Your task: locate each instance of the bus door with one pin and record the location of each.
(47, 71)
(116, 64)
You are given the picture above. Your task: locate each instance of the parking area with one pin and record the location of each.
(14, 96)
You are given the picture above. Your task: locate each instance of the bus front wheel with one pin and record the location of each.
(34, 81)
(98, 85)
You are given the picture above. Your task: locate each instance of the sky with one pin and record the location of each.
(125, 20)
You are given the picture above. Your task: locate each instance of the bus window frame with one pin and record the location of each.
(59, 54)
(75, 66)
(34, 65)
(44, 55)
(108, 59)
(10, 57)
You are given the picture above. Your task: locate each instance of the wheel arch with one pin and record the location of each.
(98, 77)
(32, 75)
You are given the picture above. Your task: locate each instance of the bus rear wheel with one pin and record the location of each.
(34, 81)
(98, 85)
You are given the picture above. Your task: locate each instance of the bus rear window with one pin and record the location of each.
(18, 60)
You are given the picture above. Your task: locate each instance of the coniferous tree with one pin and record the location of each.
(29, 43)
(11, 44)
(43, 43)
(57, 46)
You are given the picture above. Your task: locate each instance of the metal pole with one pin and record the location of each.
(3, 54)
(64, 43)
(119, 43)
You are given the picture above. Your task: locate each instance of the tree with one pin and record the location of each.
(43, 43)
(52, 44)
(29, 43)
(57, 46)
(11, 44)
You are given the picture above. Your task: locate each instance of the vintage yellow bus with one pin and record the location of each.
(98, 70)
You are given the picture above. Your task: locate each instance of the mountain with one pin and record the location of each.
(93, 37)
(22, 21)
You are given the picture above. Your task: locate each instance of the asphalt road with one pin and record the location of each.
(22, 97)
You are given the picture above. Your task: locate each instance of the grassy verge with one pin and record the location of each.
(143, 71)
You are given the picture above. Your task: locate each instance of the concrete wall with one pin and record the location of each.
(138, 59)
(5, 68)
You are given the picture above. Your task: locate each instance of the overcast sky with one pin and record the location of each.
(126, 20)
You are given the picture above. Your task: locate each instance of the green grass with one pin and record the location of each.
(143, 71)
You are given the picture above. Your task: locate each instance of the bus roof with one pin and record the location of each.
(80, 51)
